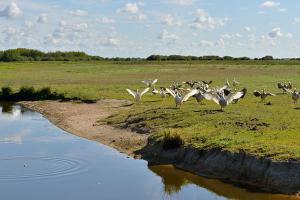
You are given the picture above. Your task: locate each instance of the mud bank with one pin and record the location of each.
(237, 168)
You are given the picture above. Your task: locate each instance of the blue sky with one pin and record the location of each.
(125, 28)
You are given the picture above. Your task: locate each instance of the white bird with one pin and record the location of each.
(295, 96)
(137, 95)
(150, 83)
(222, 100)
(179, 99)
(263, 95)
(235, 83)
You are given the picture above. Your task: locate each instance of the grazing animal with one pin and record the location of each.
(222, 100)
(179, 99)
(263, 95)
(137, 94)
(150, 83)
(295, 96)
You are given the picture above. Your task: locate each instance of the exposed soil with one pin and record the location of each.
(81, 119)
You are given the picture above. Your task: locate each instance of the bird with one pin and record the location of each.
(263, 95)
(222, 100)
(150, 83)
(227, 83)
(137, 94)
(199, 96)
(155, 91)
(179, 99)
(207, 82)
(235, 83)
(191, 83)
(285, 87)
(295, 96)
(237, 100)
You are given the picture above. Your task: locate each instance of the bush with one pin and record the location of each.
(172, 141)
(6, 93)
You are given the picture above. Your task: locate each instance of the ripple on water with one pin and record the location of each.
(33, 168)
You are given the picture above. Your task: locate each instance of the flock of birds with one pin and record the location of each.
(200, 90)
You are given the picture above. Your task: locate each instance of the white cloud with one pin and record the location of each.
(42, 18)
(133, 10)
(206, 43)
(165, 35)
(205, 22)
(11, 11)
(170, 21)
(270, 4)
(247, 28)
(105, 20)
(297, 21)
(275, 32)
(78, 13)
(182, 2)
(220, 43)
(111, 42)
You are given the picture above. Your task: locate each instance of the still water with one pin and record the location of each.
(41, 161)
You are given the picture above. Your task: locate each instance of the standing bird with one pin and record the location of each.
(222, 100)
(179, 99)
(150, 83)
(263, 95)
(295, 96)
(137, 95)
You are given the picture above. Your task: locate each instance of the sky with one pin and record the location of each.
(125, 28)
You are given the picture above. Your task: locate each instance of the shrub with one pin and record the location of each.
(172, 141)
(6, 93)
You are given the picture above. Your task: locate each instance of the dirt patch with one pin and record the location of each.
(81, 119)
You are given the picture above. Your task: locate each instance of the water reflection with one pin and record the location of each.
(174, 180)
(6, 107)
(41, 161)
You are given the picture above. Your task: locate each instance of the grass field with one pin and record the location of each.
(267, 131)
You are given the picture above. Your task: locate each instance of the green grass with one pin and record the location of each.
(250, 126)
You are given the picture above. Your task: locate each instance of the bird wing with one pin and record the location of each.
(270, 94)
(237, 95)
(171, 92)
(212, 97)
(155, 91)
(131, 92)
(189, 94)
(144, 91)
(256, 93)
(154, 81)
(222, 88)
(287, 90)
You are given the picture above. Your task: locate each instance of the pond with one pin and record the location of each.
(40, 161)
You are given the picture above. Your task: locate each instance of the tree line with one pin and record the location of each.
(22, 54)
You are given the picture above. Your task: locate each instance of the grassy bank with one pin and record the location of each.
(268, 131)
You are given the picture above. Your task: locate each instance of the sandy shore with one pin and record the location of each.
(81, 119)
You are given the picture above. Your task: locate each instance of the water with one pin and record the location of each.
(40, 161)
